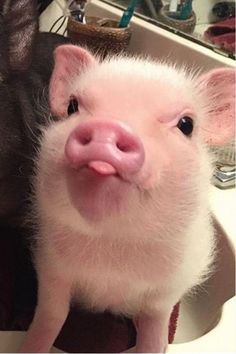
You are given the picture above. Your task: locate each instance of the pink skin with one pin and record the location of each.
(107, 147)
(51, 312)
(100, 149)
(121, 193)
(147, 327)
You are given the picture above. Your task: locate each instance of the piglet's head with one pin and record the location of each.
(137, 129)
(216, 88)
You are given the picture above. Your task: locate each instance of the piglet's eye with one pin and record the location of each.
(185, 124)
(73, 106)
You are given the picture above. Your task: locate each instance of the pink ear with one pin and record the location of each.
(70, 61)
(219, 87)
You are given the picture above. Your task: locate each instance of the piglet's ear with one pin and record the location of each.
(218, 86)
(70, 61)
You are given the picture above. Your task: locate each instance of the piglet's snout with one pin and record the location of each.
(107, 147)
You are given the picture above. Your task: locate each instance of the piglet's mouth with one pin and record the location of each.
(102, 168)
(97, 189)
(97, 169)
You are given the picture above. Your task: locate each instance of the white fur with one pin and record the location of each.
(160, 244)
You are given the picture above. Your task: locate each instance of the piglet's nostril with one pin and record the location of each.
(124, 147)
(84, 137)
(86, 140)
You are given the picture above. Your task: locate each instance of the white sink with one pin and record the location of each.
(207, 319)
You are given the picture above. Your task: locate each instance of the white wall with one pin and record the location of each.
(150, 39)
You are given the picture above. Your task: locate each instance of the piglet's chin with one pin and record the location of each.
(96, 190)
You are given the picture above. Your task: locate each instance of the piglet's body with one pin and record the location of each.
(121, 191)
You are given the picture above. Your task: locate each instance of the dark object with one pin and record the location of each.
(224, 9)
(17, 280)
(187, 26)
(185, 124)
(73, 106)
(86, 332)
(222, 34)
(100, 35)
(26, 63)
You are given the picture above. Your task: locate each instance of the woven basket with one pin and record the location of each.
(186, 26)
(100, 35)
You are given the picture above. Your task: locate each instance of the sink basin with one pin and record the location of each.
(209, 308)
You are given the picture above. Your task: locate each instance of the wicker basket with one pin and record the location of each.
(100, 35)
(186, 26)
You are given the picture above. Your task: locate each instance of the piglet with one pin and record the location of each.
(120, 191)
